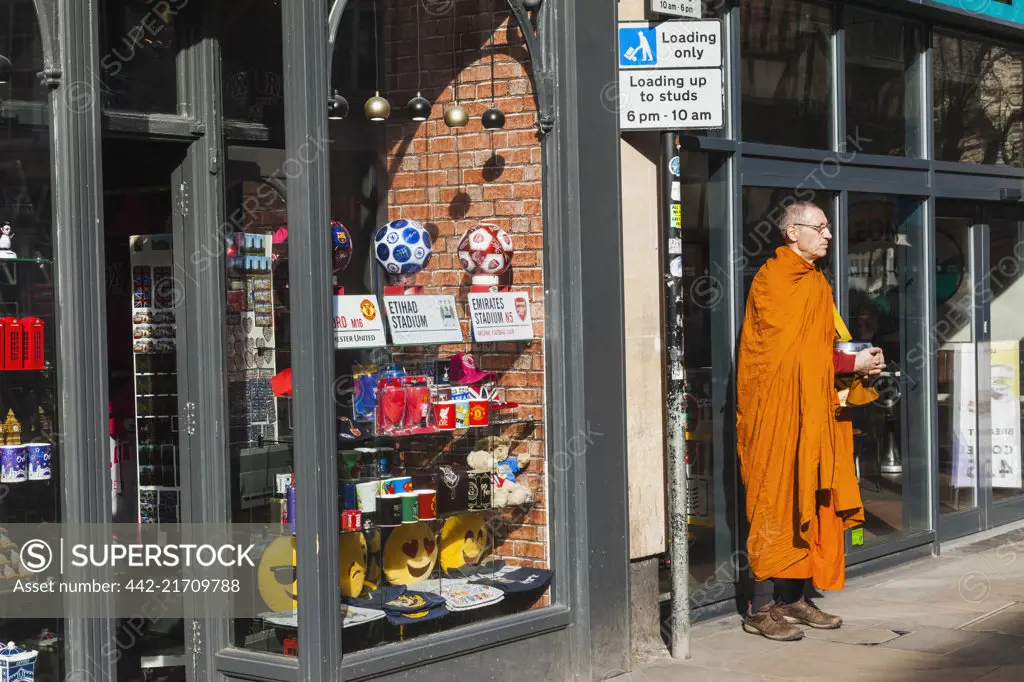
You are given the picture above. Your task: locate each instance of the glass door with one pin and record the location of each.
(979, 259)
(958, 226)
(1005, 300)
(145, 211)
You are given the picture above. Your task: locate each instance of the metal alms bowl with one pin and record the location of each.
(852, 347)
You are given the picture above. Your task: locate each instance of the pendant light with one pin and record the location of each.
(377, 108)
(419, 106)
(493, 118)
(456, 116)
(337, 107)
(6, 70)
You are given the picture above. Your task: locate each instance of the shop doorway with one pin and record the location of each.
(979, 337)
(144, 224)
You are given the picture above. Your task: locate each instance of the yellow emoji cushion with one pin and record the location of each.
(463, 541)
(276, 575)
(352, 555)
(410, 553)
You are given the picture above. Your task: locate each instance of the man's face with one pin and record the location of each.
(810, 234)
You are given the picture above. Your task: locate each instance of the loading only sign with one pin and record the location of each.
(670, 75)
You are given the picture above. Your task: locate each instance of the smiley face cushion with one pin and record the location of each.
(276, 575)
(352, 555)
(464, 541)
(410, 553)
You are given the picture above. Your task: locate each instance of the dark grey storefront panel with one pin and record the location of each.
(831, 175)
(979, 187)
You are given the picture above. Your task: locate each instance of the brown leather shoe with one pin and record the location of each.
(769, 622)
(806, 613)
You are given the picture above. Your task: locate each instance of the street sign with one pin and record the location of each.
(670, 75)
(691, 9)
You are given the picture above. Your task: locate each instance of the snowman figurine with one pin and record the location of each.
(5, 242)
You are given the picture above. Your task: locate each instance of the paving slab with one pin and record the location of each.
(1008, 621)
(853, 634)
(1006, 673)
(937, 640)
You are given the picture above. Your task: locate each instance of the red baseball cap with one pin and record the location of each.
(463, 370)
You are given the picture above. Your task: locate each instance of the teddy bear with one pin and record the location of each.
(493, 455)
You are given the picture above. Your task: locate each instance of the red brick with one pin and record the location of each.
(498, 191)
(531, 550)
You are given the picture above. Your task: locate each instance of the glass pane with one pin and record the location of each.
(977, 102)
(20, 44)
(763, 208)
(703, 286)
(441, 442)
(252, 53)
(883, 112)
(138, 46)
(1007, 235)
(785, 72)
(958, 437)
(883, 230)
(31, 427)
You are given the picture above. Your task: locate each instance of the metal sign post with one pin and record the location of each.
(676, 411)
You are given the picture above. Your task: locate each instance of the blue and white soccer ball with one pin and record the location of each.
(403, 247)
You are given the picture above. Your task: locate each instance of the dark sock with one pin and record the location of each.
(788, 590)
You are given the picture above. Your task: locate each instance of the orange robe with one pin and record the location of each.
(796, 454)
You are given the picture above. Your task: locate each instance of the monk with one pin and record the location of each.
(793, 431)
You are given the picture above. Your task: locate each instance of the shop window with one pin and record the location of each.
(785, 72)
(139, 43)
(885, 309)
(977, 101)
(437, 241)
(883, 110)
(763, 208)
(30, 444)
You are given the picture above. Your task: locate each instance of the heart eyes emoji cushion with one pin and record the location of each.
(410, 553)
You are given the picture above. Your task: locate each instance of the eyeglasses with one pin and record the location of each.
(817, 228)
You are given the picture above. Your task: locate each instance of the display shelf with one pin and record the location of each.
(38, 261)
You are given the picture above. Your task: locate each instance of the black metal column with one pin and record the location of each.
(316, 466)
(81, 333)
(584, 264)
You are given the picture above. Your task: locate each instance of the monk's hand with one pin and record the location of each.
(869, 362)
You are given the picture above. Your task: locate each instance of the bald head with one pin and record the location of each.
(799, 212)
(806, 231)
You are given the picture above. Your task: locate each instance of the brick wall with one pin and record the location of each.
(450, 180)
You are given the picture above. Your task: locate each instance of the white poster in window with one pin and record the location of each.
(358, 322)
(965, 437)
(1006, 459)
(418, 320)
(501, 316)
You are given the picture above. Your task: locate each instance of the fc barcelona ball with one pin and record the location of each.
(402, 247)
(342, 240)
(485, 252)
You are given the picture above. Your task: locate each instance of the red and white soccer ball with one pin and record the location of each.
(485, 252)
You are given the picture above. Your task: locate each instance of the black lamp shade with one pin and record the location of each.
(337, 107)
(419, 108)
(493, 119)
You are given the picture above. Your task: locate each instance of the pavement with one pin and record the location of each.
(956, 617)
